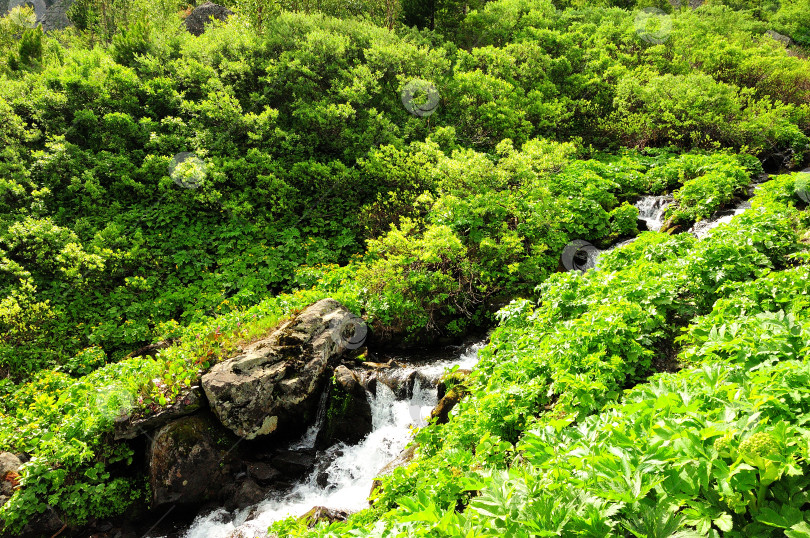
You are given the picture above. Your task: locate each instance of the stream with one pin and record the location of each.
(343, 474)
(651, 210)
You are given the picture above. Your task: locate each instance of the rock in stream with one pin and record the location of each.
(276, 382)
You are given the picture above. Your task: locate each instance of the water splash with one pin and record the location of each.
(343, 475)
(307, 441)
(701, 228)
(651, 210)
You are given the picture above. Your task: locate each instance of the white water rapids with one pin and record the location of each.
(349, 470)
(701, 228)
(651, 210)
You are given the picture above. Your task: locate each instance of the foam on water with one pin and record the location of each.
(651, 210)
(700, 229)
(348, 470)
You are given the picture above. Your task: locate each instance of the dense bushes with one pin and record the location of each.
(307, 150)
(541, 446)
(300, 154)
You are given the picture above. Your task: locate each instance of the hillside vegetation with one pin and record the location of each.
(427, 169)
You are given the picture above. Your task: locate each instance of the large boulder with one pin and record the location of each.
(191, 460)
(348, 416)
(202, 14)
(130, 427)
(9, 473)
(276, 382)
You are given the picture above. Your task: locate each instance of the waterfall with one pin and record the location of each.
(343, 474)
(701, 228)
(309, 437)
(651, 210)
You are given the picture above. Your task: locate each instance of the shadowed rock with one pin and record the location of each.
(191, 460)
(349, 412)
(127, 427)
(202, 14)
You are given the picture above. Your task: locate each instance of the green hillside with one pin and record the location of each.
(425, 164)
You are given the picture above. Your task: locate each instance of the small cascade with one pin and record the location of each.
(307, 441)
(701, 228)
(343, 474)
(651, 210)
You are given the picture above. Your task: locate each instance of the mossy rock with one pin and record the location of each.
(348, 413)
(191, 460)
(452, 379)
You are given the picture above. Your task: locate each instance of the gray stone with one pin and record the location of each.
(55, 17)
(9, 472)
(321, 513)
(275, 383)
(776, 36)
(191, 460)
(49, 13)
(202, 14)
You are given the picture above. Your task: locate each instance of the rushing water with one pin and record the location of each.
(701, 228)
(343, 474)
(651, 210)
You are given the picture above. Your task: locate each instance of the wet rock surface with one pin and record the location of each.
(293, 464)
(348, 413)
